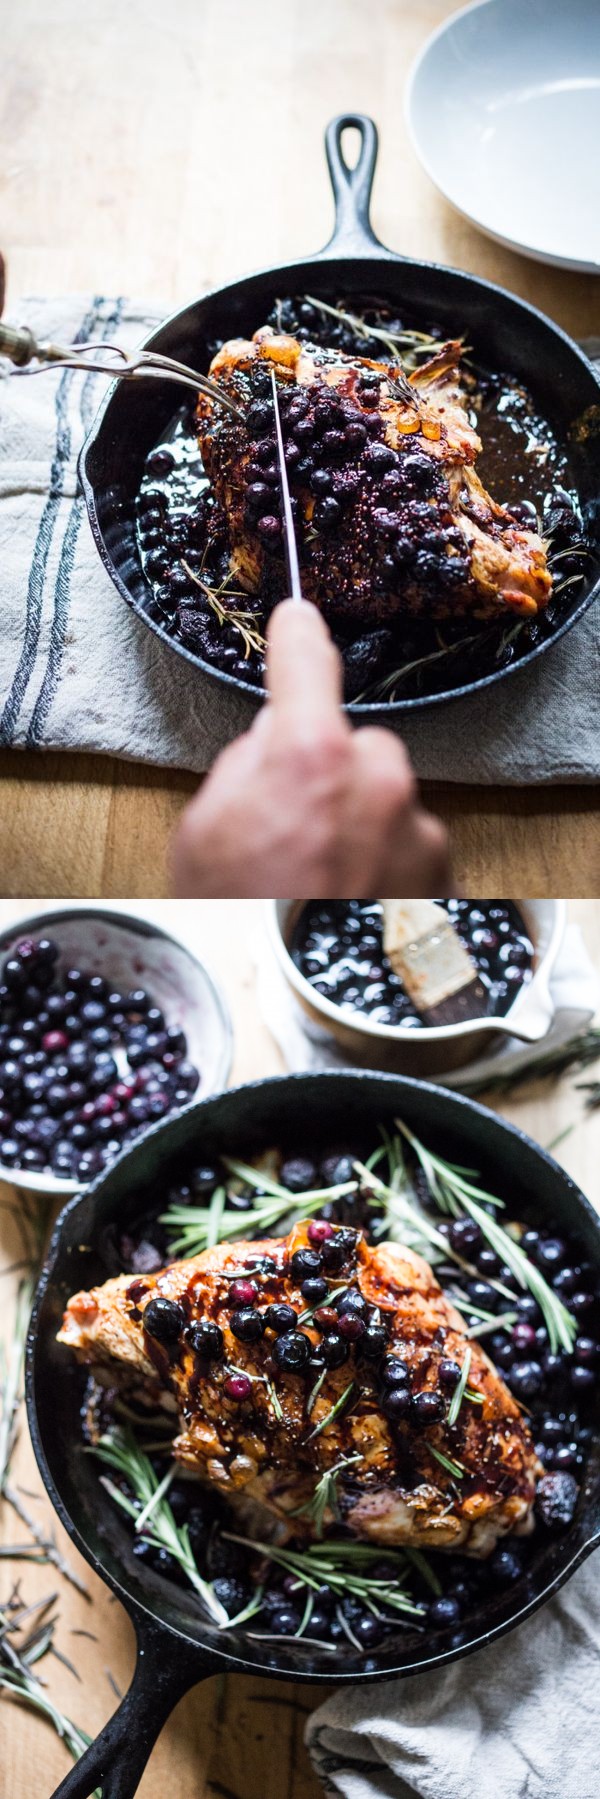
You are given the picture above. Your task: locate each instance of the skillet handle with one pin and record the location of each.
(115, 1761)
(352, 232)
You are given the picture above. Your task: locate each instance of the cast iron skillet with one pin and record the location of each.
(505, 333)
(176, 1647)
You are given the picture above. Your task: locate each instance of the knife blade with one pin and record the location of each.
(289, 534)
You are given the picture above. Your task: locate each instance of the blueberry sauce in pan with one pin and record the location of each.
(522, 462)
(338, 947)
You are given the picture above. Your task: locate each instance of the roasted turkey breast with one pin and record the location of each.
(390, 513)
(266, 1407)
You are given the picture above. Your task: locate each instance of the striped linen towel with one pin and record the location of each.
(79, 670)
(518, 1719)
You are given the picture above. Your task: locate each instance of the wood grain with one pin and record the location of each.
(229, 1738)
(120, 171)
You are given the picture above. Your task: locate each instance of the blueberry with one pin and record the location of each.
(206, 1339)
(373, 1344)
(335, 1171)
(164, 1319)
(247, 1324)
(448, 1374)
(428, 1408)
(550, 1253)
(583, 1379)
(556, 1500)
(10, 1152)
(566, 1281)
(314, 1290)
(380, 457)
(298, 1174)
(352, 1301)
(526, 1379)
(13, 973)
(305, 1263)
(396, 1401)
(465, 1236)
(443, 1611)
(394, 1371)
(505, 1567)
(93, 1012)
(259, 418)
(327, 514)
(280, 1318)
(292, 1351)
(233, 1594)
(334, 1349)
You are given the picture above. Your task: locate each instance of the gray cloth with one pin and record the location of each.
(79, 670)
(519, 1719)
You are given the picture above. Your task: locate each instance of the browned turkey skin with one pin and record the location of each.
(390, 513)
(271, 1446)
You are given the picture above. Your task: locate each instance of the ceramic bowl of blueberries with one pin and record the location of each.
(331, 954)
(107, 1025)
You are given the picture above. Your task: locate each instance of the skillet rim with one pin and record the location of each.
(142, 1615)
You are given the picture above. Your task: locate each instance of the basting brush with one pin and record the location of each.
(436, 970)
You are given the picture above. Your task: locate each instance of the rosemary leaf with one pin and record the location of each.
(445, 1461)
(460, 1389)
(215, 1214)
(334, 1413)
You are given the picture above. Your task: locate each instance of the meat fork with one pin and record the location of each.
(18, 343)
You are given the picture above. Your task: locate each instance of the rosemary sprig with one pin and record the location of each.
(334, 1413)
(194, 1223)
(460, 1389)
(240, 618)
(120, 1451)
(455, 1194)
(331, 1563)
(17, 1660)
(578, 1052)
(447, 1462)
(414, 343)
(325, 1497)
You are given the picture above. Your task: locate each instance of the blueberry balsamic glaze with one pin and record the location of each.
(338, 947)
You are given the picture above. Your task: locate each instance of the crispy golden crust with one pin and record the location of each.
(452, 550)
(265, 1447)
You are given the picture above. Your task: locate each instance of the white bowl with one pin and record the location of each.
(503, 106)
(430, 1053)
(133, 952)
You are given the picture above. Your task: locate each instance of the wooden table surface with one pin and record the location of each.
(120, 172)
(230, 1737)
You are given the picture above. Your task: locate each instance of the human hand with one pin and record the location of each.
(302, 804)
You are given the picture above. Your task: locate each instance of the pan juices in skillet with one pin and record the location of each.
(390, 513)
(269, 1399)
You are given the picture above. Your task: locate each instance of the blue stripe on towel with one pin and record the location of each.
(62, 589)
(46, 528)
